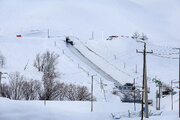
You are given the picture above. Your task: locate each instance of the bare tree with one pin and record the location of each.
(83, 94)
(38, 62)
(5, 91)
(47, 62)
(30, 89)
(71, 92)
(143, 37)
(135, 35)
(78, 93)
(50, 87)
(62, 91)
(16, 84)
(21, 88)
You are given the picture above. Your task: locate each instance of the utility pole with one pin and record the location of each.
(48, 33)
(136, 69)
(0, 83)
(171, 95)
(156, 99)
(124, 65)
(102, 88)
(179, 82)
(144, 86)
(159, 97)
(115, 57)
(92, 36)
(179, 79)
(0, 78)
(134, 95)
(92, 78)
(142, 102)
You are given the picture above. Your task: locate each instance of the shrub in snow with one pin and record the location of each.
(63, 88)
(61, 91)
(78, 93)
(31, 89)
(5, 91)
(71, 92)
(21, 88)
(83, 94)
(16, 85)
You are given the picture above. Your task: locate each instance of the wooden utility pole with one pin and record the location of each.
(124, 65)
(102, 88)
(171, 95)
(0, 77)
(179, 79)
(144, 85)
(142, 102)
(134, 95)
(159, 98)
(179, 82)
(136, 69)
(48, 34)
(156, 99)
(92, 78)
(91, 93)
(115, 57)
(0, 83)
(92, 36)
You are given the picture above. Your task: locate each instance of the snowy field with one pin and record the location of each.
(58, 110)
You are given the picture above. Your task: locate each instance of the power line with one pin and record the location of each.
(162, 56)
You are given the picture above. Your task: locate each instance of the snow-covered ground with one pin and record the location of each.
(159, 20)
(64, 110)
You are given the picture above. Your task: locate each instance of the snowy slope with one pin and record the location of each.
(124, 49)
(20, 52)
